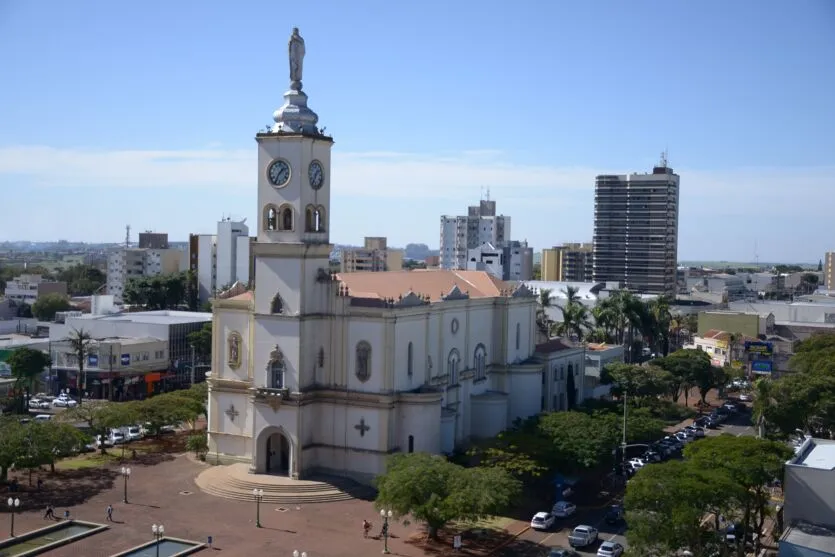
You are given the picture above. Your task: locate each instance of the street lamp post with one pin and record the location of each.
(126, 475)
(13, 504)
(159, 532)
(623, 440)
(297, 553)
(259, 495)
(385, 515)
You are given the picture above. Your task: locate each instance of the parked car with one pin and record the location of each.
(614, 514)
(696, 431)
(42, 417)
(116, 437)
(583, 536)
(563, 509)
(744, 397)
(63, 401)
(651, 456)
(542, 521)
(132, 433)
(562, 552)
(610, 549)
(38, 403)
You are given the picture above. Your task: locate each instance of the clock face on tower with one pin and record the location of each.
(316, 175)
(279, 173)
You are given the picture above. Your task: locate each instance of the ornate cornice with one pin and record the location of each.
(218, 384)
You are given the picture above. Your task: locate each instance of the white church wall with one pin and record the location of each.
(318, 295)
(282, 275)
(371, 331)
(268, 333)
(423, 423)
(525, 391)
(316, 334)
(435, 361)
(456, 341)
(229, 322)
(410, 329)
(520, 316)
(479, 331)
(489, 415)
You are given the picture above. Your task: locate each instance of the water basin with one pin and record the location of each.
(45, 539)
(168, 547)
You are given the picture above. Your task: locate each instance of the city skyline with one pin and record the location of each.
(154, 120)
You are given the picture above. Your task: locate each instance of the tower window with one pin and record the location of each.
(270, 218)
(285, 218)
(314, 218)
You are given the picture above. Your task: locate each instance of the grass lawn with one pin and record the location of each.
(114, 455)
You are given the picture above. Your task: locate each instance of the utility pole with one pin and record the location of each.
(192, 364)
(623, 440)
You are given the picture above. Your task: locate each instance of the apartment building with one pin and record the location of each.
(829, 270)
(636, 230)
(479, 226)
(27, 289)
(572, 262)
(129, 263)
(153, 240)
(222, 259)
(375, 256)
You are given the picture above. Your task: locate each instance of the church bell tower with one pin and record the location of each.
(293, 244)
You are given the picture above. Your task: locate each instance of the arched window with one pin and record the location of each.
(285, 218)
(518, 335)
(452, 366)
(570, 368)
(277, 371)
(270, 218)
(309, 219)
(277, 305)
(480, 362)
(363, 363)
(320, 218)
(410, 360)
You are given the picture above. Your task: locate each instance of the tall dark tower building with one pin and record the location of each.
(636, 230)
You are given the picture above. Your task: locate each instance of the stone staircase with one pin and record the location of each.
(235, 482)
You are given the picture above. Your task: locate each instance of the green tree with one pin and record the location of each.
(666, 506)
(46, 442)
(689, 368)
(168, 409)
(80, 343)
(201, 340)
(198, 443)
(543, 323)
(101, 416)
(157, 292)
(751, 464)
(11, 444)
(636, 382)
(46, 306)
(436, 492)
(27, 365)
(82, 280)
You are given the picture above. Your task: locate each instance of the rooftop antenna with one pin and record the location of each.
(487, 195)
(127, 236)
(756, 256)
(663, 163)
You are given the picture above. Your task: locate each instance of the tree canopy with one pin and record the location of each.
(436, 491)
(158, 292)
(201, 340)
(82, 280)
(46, 306)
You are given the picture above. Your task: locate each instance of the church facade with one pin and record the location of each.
(320, 373)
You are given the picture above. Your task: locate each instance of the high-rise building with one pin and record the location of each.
(222, 259)
(636, 230)
(462, 233)
(572, 262)
(129, 263)
(374, 256)
(153, 240)
(829, 270)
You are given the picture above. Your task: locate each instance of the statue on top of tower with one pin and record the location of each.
(295, 48)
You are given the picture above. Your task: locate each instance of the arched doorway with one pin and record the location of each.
(277, 454)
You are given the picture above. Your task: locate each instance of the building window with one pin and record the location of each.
(277, 370)
(277, 305)
(410, 360)
(570, 368)
(314, 218)
(270, 218)
(320, 357)
(363, 363)
(518, 335)
(285, 218)
(480, 362)
(452, 366)
(411, 443)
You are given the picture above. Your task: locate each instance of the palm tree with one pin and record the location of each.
(542, 321)
(575, 316)
(80, 341)
(763, 400)
(659, 311)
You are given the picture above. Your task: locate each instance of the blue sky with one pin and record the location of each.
(143, 113)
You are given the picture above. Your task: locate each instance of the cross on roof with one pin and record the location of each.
(362, 427)
(232, 413)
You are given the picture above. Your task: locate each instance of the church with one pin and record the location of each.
(314, 372)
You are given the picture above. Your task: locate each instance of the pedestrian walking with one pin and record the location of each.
(67, 514)
(366, 528)
(109, 512)
(49, 513)
(40, 484)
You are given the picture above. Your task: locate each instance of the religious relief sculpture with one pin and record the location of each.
(233, 350)
(363, 363)
(296, 51)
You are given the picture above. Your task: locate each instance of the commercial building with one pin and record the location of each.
(829, 270)
(569, 262)
(374, 256)
(513, 261)
(809, 501)
(133, 263)
(479, 226)
(222, 259)
(27, 289)
(636, 230)
(153, 240)
(115, 330)
(598, 356)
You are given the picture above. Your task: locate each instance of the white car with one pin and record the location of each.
(563, 509)
(116, 437)
(38, 404)
(610, 549)
(43, 417)
(64, 401)
(637, 463)
(542, 521)
(744, 397)
(133, 433)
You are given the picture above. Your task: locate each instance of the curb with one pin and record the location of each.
(507, 542)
